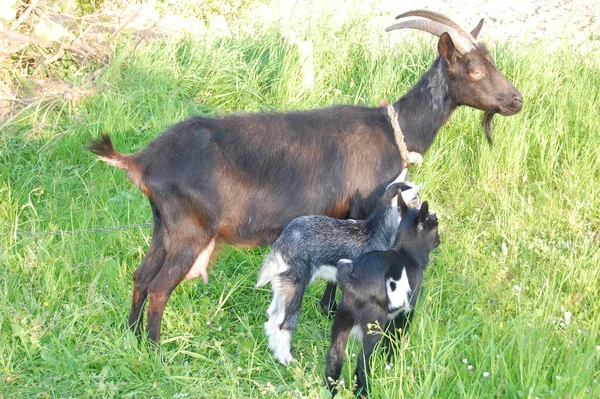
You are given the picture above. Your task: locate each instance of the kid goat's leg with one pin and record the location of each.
(187, 248)
(283, 314)
(370, 314)
(397, 328)
(328, 300)
(146, 272)
(342, 325)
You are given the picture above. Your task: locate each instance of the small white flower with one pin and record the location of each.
(528, 324)
(408, 367)
(208, 323)
(561, 324)
(388, 366)
(354, 355)
(239, 369)
(554, 348)
(568, 317)
(558, 377)
(486, 374)
(598, 347)
(470, 367)
(465, 361)
(517, 288)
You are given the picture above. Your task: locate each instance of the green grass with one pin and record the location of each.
(520, 228)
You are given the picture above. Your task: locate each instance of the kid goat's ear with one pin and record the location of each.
(401, 204)
(423, 212)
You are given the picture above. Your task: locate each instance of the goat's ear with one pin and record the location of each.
(401, 204)
(423, 212)
(446, 49)
(475, 32)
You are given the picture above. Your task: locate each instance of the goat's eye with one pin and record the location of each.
(477, 74)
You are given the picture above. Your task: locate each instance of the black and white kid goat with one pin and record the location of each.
(309, 248)
(381, 288)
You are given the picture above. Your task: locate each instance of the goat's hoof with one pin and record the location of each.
(287, 360)
(329, 309)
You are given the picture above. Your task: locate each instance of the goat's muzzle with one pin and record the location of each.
(513, 107)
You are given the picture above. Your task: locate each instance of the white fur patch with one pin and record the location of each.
(408, 196)
(325, 272)
(411, 194)
(273, 265)
(398, 292)
(400, 179)
(280, 341)
(357, 332)
(113, 162)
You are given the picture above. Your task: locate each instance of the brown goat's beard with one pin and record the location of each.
(487, 125)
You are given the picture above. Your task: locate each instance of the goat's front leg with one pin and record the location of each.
(397, 328)
(369, 341)
(340, 331)
(328, 304)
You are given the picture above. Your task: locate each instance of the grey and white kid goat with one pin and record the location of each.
(381, 288)
(309, 248)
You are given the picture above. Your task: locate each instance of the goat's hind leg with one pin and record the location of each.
(283, 314)
(145, 273)
(340, 331)
(328, 304)
(183, 252)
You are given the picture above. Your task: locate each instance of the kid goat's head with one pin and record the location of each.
(418, 227)
(473, 79)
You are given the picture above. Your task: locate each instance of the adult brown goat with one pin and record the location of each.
(239, 179)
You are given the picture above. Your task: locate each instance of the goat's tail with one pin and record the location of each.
(107, 153)
(273, 265)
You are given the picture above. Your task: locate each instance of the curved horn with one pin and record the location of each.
(435, 28)
(438, 17)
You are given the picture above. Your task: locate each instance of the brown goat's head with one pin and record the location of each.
(473, 78)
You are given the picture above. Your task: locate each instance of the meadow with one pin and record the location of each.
(510, 305)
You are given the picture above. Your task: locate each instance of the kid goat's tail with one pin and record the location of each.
(273, 265)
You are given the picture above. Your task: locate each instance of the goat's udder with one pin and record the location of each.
(200, 266)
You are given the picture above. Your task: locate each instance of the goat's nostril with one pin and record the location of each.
(518, 99)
